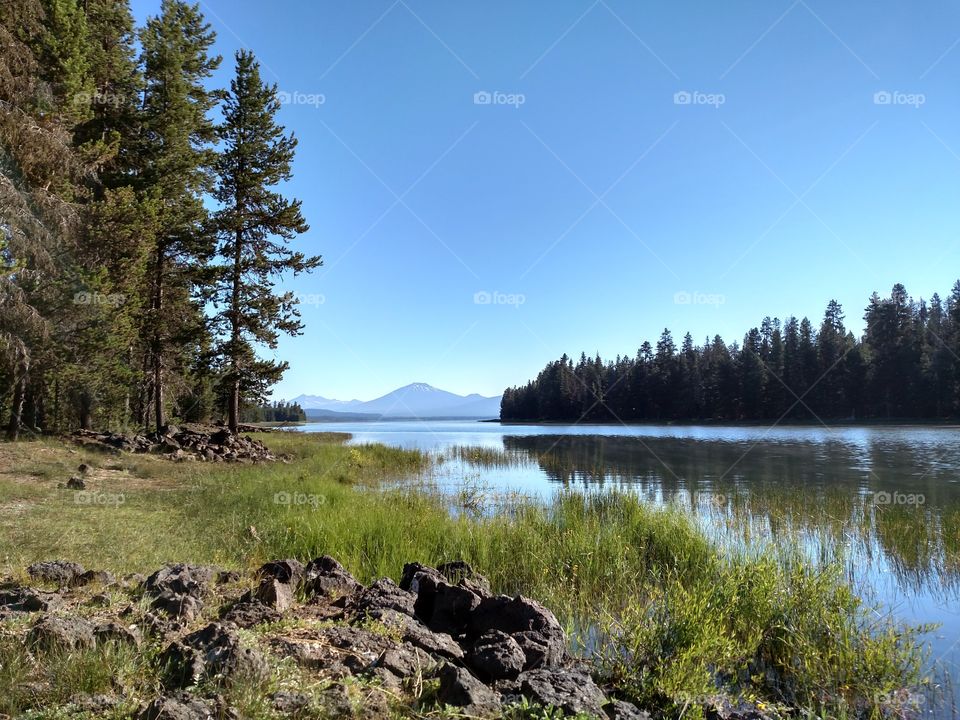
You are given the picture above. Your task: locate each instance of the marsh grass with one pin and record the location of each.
(663, 611)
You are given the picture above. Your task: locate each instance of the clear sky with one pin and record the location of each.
(589, 201)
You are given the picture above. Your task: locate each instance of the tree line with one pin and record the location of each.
(142, 234)
(905, 365)
(277, 411)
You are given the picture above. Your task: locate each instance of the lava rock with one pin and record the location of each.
(184, 607)
(326, 577)
(211, 653)
(496, 656)
(24, 599)
(115, 632)
(54, 632)
(458, 687)
(573, 691)
(288, 572)
(246, 614)
(61, 572)
(384, 594)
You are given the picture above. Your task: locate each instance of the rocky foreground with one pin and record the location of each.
(192, 442)
(208, 628)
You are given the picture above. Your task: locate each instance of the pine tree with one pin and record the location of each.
(257, 157)
(177, 161)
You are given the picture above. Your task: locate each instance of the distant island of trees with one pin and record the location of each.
(906, 365)
(278, 411)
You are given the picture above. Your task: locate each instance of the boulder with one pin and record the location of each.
(461, 689)
(60, 572)
(65, 633)
(275, 594)
(519, 617)
(183, 606)
(181, 579)
(495, 656)
(384, 594)
(288, 572)
(213, 653)
(100, 577)
(115, 632)
(326, 577)
(572, 691)
(24, 599)
(541, 650)
(248, 613)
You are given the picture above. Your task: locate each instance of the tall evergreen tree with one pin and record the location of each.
(254, 227)
(177, 162)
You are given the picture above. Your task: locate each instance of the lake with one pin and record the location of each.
(885, 501)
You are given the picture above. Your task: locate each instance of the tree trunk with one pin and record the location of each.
(233, 421)
(21, 373)
(157, 345)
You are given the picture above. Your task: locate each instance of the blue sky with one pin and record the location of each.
(639, 166)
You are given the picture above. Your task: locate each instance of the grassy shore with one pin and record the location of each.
(664, 613)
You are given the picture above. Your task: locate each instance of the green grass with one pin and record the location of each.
(665, 613)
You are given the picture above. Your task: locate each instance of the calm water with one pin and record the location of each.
(885, 500)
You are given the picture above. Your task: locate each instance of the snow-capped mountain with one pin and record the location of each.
(417, 400)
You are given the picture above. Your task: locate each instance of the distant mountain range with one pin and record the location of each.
(417, 400)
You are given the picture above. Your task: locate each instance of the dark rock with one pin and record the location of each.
(541, 650)
(407, 661)
(275, 594)
(211, 653)
(185, 607)
(495, 656)
(115, 632)
(101, 577)
(181, 579)
(24, 599)
(246, 614)
(385, 595)
(513, 615)
(288, 572)
(573, 691)
(76, 483)
(622, 710)
(290, 703)
(177, 707)
(408, 578)
(61, 572)
(416, 633)
(100, 600)
(326, 577)
(458, 687)
(54, 632)
(444, 608)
